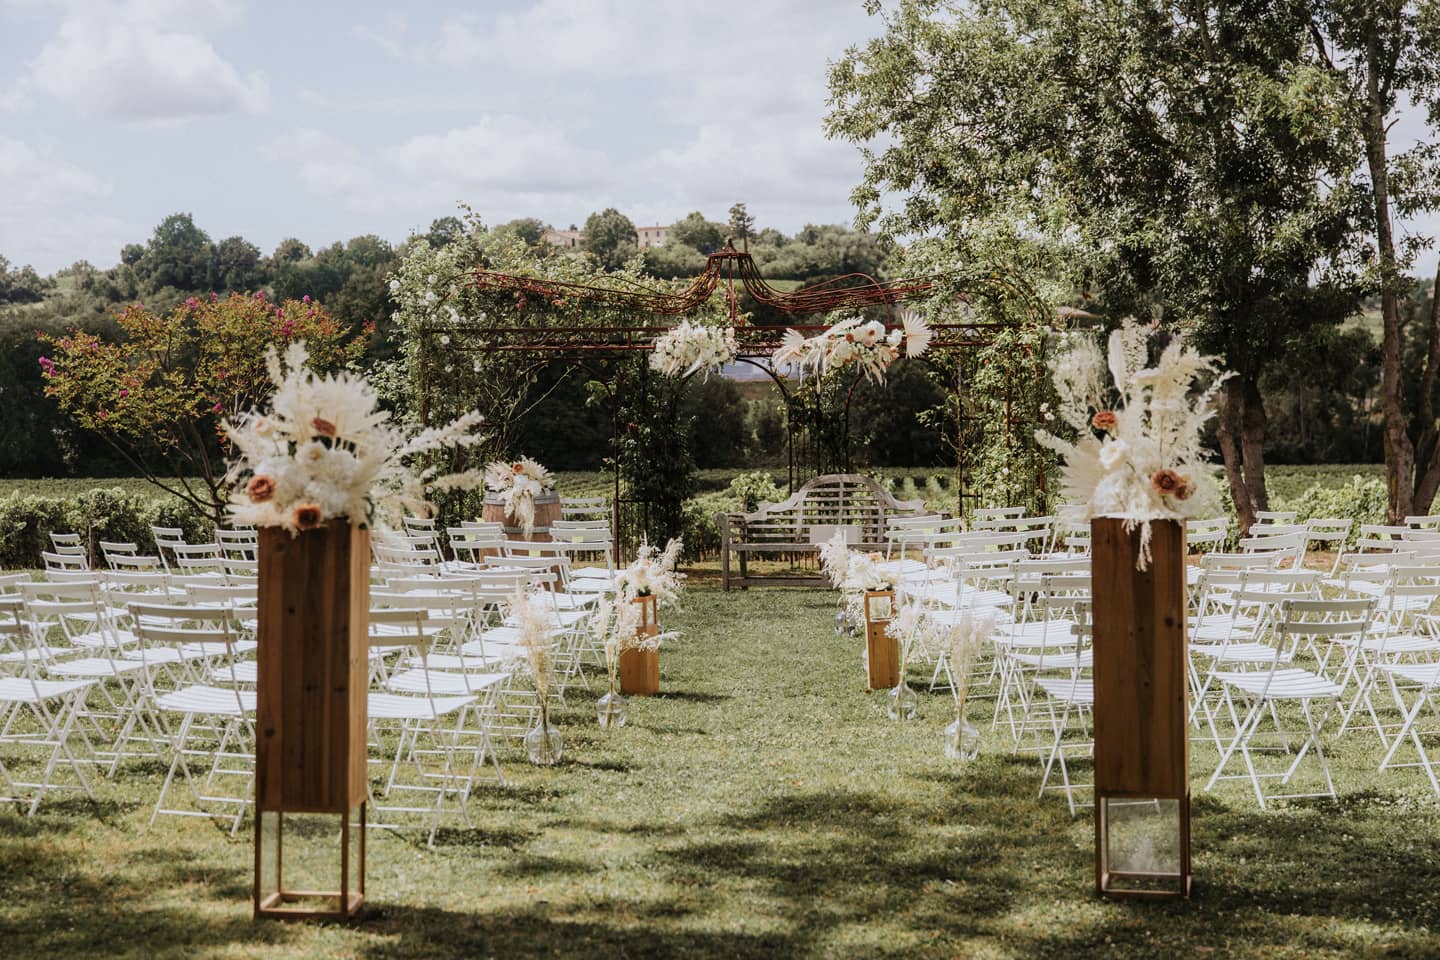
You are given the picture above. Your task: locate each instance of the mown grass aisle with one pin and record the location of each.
(762, 806)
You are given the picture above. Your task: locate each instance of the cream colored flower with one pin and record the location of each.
(1114, 453)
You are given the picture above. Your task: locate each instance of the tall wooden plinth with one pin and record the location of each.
(882, 651)
(310, 718)
(640, 666)
(1142, 743)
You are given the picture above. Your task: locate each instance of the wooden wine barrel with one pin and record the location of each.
(547, 511)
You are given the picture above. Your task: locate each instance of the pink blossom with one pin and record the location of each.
(214, 296)
(305, 299)
(280, 312)
(124, 394)
(192, 303)
(288, 329)
(48, 366)
(260, 295)
(215, 409)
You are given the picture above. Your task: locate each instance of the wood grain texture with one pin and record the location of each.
(640, 669)
(1142, 747)
(882, 651)
(313, 671)
(547, 511)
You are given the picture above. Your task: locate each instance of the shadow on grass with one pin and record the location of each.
(635, 932)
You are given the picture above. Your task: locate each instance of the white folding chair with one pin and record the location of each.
(1263, 691)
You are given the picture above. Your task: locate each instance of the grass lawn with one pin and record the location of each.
(762, 806)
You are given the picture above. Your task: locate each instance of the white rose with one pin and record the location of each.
(394, 286)
(1113, 454)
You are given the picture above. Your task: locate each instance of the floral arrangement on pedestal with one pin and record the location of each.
(854, 340)
(652, 574)
(1140, 458)
(325, 449)
(615, 625)
(693, 347)
(854, 574)
(518, 484)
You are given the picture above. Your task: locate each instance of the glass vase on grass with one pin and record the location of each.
(962, 741)
(543, 744)
(611, 710)
(902, 703)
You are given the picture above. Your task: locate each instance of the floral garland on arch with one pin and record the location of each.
(1140, 459)
(854, 340)
(518, 484)
(693, 347)
(325, 450)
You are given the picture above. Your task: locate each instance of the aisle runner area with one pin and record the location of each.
(762, 806)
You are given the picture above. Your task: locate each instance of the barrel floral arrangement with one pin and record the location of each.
(517, 484)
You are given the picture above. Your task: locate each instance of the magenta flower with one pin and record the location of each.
(305, 299)
(215, 409)
(214, 296)
(192, 303)
(47, 365)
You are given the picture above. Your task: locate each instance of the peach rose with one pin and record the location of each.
(1184, 490)
(517, 468)
(260, 488)
(1105, 420)
(307, 516)
(1166, 481)
(323, 427)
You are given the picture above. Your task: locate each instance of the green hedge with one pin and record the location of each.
(26, 522)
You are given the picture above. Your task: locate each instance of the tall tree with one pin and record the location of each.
(179, 256)
(611, 237)
(239, 266)
(1382, 53)
(1178, 156)
(741, 223)
(696, 232)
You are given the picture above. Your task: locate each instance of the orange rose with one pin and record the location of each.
(323, 427)
(849, 338)
(1105, 420)
(1166, 481)
(307, 516)
(517, 467)
(1184, 491)
(260, 489)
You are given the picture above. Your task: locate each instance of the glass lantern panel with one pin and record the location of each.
(1142, 848)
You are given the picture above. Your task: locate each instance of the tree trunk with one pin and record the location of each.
(1227, 428)
(1399, 452)
(1253, 422)
(1427, 453)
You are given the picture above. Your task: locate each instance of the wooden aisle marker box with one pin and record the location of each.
(882, 651)
(640, 669)
(310, 721)
(1142, 742)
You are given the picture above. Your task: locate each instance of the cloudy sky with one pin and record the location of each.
(323, 121)
(271, 119)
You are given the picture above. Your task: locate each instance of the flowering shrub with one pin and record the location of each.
(160, 394)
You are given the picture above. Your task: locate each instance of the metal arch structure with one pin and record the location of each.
(728, 270)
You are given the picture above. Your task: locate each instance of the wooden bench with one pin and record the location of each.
(811, 516)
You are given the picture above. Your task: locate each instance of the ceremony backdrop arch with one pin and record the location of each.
(962, 351)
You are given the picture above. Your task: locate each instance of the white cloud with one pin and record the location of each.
(145, 60)
(35, 188)
(498, 159)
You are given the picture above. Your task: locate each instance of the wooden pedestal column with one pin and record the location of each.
(882, 651)
(310, 718)
(640, 668)
(1142, 743)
